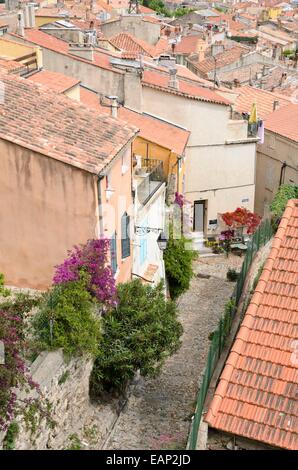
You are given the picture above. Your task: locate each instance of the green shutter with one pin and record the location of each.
(125, 240)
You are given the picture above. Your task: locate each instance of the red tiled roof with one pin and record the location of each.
(128, 43)
(161, 81)
(12, 66)
(284, 122)
(59, 127)
(222, 59)
(101, 58)
(162, 133)
(263, 99)
(257, 394)
(144, 9)
(54, 80)
(188, 44)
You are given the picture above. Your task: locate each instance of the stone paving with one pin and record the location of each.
(158, 412)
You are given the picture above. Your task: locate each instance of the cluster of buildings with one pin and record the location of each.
(182, 88)
(108, 111)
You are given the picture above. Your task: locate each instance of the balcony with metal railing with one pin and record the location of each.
(149, 176)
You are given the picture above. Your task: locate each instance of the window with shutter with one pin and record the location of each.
(113, 249)
(125, 240)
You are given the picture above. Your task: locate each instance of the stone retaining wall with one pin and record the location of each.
(79, 423)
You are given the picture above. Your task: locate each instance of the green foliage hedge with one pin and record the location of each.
(278, 205)
(137, 335)
(178, 264)
(66, 319)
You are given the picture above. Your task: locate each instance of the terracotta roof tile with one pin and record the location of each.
(188, 44)
(263, 99)
(257, 394)
(190, 90)
(101, 58)
(162, 133)
(284, 123)
(54, 80)
(59, 127)
(12, 66)
(222, 59)
(128, 43)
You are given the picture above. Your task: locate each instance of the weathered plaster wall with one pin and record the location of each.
(270, 157)
(46, 207)
(134, 25)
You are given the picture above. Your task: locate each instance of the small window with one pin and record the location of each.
(113, 251)
(109, 190)
(125, 239)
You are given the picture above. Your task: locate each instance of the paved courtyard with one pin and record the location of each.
(159, 410)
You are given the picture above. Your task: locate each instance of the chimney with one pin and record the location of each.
(166, 60)
(276, 105)
(133, 93)
(114, 105)
(173, 81)
(31, 15)
(85, 51)
(21, 29)
(26, 16)
(200, 49)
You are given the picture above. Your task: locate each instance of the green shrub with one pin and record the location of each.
(232, 275)
(137, 335)
(10, 436)
(278, 205)
(3, 291)
(66, 320)
(228, 316)
(74, 442)
(178, 264)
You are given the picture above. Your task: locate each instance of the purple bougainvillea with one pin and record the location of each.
(179, 199)
(13, 373)
(93, 259)
(226, 235)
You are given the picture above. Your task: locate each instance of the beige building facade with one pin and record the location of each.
(220, 158)
(277, 163)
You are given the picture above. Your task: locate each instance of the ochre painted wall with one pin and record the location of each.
(148, 149)
(46, 207)
(41, 20)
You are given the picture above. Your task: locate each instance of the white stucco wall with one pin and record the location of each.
(221, 174)
(151, 215)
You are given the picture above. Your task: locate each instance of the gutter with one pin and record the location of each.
(99, 199)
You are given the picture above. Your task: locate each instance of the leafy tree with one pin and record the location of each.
(159, 7)
(139, 334)
(284, 193)
(180, 11)
(67, 319)
(178, 264)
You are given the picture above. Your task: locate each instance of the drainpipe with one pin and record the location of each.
(100, 178)
(282, 171)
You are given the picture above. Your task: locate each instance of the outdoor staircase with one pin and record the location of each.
(198, 242)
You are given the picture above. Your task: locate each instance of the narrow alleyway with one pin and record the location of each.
(158, 412)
